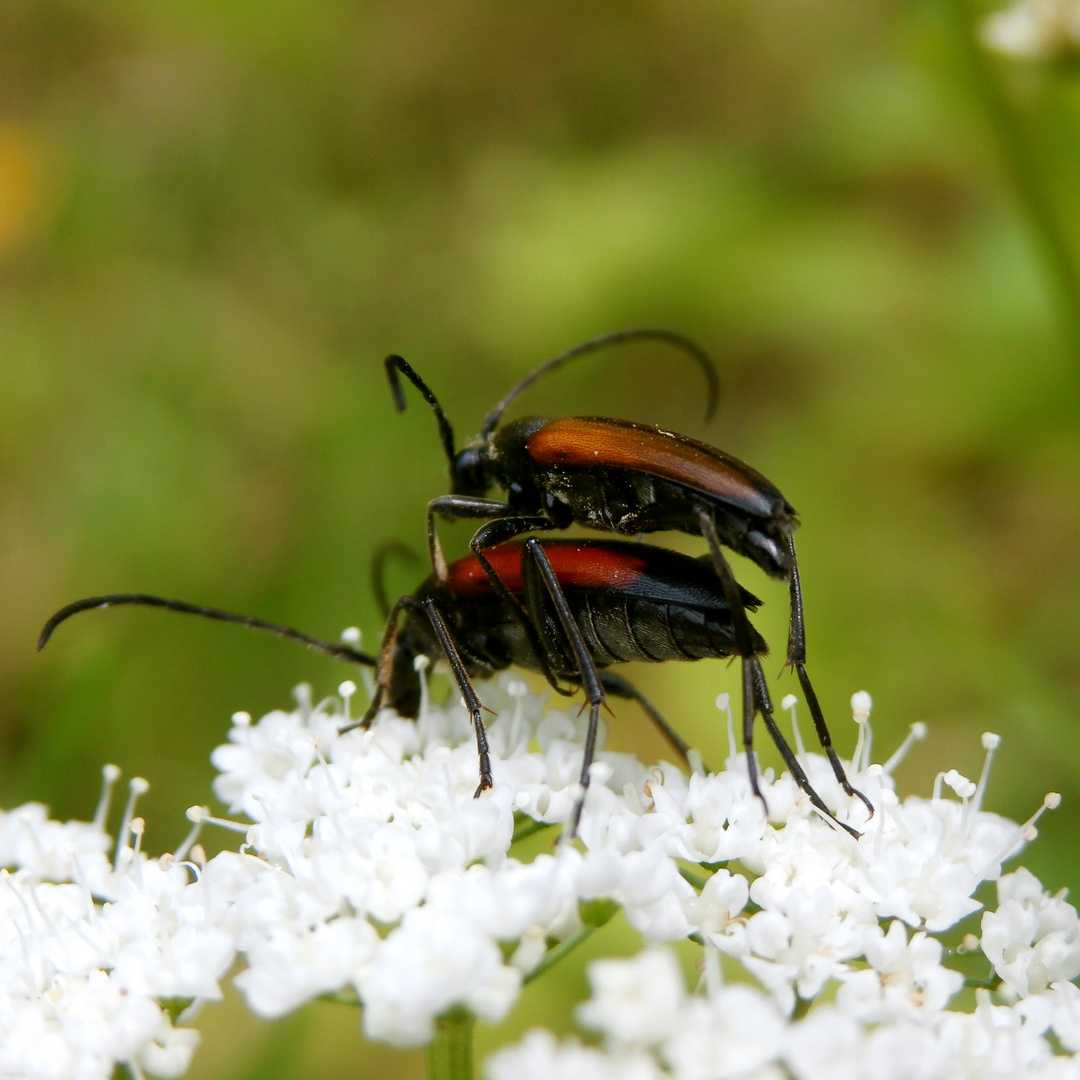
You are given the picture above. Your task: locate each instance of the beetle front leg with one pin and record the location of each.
(498, 532)
(468, 691)
(383, 666)
(455, 506)
(590, 677)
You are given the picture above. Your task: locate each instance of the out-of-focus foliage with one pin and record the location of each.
(216, 218)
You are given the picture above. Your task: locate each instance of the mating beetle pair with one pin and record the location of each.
(570, 609)
(629, 479)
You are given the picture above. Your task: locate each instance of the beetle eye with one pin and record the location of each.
(469, 474)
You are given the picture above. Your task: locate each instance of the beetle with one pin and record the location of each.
(626, 478)
(608, 602)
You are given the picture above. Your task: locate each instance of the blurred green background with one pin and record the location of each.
(217, 218)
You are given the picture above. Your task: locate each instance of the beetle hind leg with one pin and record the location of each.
(796, 658)
(744, 647)
(617, 686)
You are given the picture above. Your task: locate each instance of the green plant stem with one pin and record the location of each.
(694, 880)
(1058, 258)
(553, 956)
(450, 1053)
(528, 827)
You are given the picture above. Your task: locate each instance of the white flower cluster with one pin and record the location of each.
(1035, 29)
(378, 872)
(383, 874)
(370, 872)
(91, 948)
(652, 1029)
(805, 914)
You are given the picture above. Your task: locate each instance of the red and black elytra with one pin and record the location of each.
(626, 602)
(625, 478)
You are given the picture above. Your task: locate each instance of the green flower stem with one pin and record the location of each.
(564, 948)
(1058, 258)
(450, 1053)
(694, 880)
(526, 826)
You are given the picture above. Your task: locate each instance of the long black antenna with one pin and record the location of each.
(394, 364)
(692, 348)
(329, 648)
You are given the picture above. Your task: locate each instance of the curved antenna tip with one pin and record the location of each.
(640, 333)
(327, 648)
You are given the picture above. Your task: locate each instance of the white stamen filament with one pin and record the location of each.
(1023, 834)
(181, 852)
(723, 703)
(789, 703)
(420, 665)
(990, 743)
(109, 775)
(136, 786)
(201, 815)
(346, 690)
(877, 772)
(916, 733)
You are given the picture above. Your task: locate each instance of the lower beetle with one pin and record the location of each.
(625, 478)
(590, 605)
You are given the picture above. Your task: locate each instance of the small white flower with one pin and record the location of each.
(539, 1057)
(81, 977)
(432, 961)
(635, 1002)
(1035, 29)
(293, 965)
(737, 1032)
(1033, 939)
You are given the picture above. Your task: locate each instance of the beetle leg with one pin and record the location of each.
(383, 666)
(495, 532)
(465, 506)
(498, 532)
(619, 687)
(796, 647)
(468, 692)
(792, 762)
(826, 740)
(748, 730)
(740, 628)
(796, 658)
(456, 506)
(590, 677)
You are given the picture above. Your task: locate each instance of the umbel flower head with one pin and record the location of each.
(1035, 29)
(92, 948)
(369, 872)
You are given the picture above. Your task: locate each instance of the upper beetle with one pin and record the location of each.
(629, 479)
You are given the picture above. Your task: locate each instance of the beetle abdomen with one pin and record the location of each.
(621, 629)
